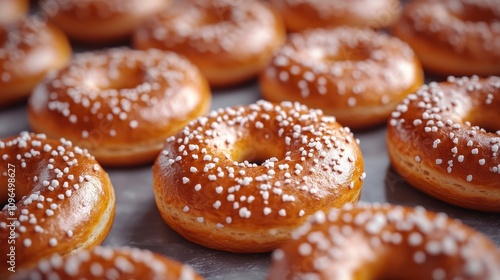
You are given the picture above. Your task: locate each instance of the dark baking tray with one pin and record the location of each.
(138, 224)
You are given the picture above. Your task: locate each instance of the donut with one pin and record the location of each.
(453, 37)
(300, 15)
(57, 199)
(372, 241)
(230, 41)
(100, 21)
(442, 140)
(13, 10)
(29, 49)
(357, 75)
(120, 104)
(109, 263)
(242, 178)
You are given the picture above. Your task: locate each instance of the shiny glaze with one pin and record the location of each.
(230, 41)
(100, 21)
(453, 37)
(29, 49)
(119, 103)
(445, 140)
(210, 187)
(300, 15)
(356, 75)
(110, 263)
(64, 201)
(373, 241)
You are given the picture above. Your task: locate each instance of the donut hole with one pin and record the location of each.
(256, 153)
(487, 120)
(343, 53)
(359, 52)
(217, 15)
(122, 79)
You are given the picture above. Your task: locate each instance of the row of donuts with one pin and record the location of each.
(99, 113)
(106, 113)
(54, 218)
(493, 143)
(169, 166)
(451, 37)
(329, 69)
(242, 206)
(440, 248)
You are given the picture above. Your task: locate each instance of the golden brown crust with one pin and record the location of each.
(29, 49)
(121, 104)
(13, 10)
(100, 21)
(385, 242)
(110, 263)
(207, 188)
(230, 41)
(64, 201)
(356, 75)
(437, 141)
(300, 15)
(453, 37)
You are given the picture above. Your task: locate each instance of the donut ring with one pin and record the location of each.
(437, 141)
(385, 242)
(59, 200)
(300, 15)
(359, 76)
(13, 10)
(210, 188)
(121, 104)
(29, 49)
(110, 263)
(229, 41)
(453, 37)
(100, 21)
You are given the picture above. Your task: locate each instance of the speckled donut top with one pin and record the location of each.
(469, 27)
(435, 118)
(213, 26)
(353, 61)
(432, 240)
(309, 161)
(107, 263)
(47, 177)
(16, 42)
(86, 8)
(328, 8)
(118, 90)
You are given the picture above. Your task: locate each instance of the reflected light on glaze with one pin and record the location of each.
(177, 105)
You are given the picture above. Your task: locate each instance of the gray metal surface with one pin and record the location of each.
(137, 222)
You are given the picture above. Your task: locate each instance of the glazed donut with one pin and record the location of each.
(357, 75)
(57, 199)
(442, 141)
(300, 15)
(100, 21)
(13, 10)
(385, 242)
(110, 263)
(121, 104)
(242, 178)
(230, 41)
(29, 48)
(453, 37)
